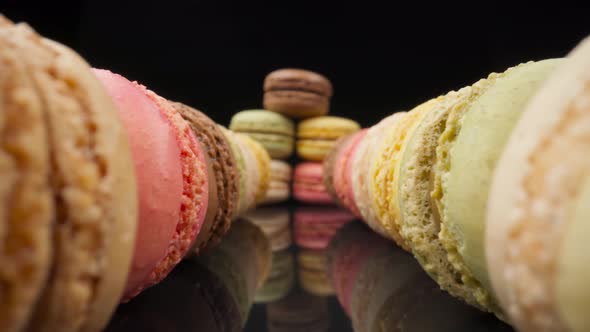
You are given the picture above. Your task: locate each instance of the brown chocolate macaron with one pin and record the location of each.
(68, 215)
(224, 195)
(297, 93)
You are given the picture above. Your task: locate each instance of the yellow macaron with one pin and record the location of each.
(317, 136)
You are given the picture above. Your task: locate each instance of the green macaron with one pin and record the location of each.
(274, 131)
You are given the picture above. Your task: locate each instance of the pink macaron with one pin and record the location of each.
(172, 180)
(342, 175)
(314, 226)
(308, 184)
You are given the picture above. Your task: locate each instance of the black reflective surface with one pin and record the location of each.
(390, 293)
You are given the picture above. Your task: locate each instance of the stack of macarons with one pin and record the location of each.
(106, 185)
(276, 134)
(274, 221)
(472, 184)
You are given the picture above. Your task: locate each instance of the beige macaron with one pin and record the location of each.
(72, 176)
(537, 227)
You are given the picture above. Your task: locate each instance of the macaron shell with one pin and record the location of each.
(195, 192)
(240, 167)
(97, 192)
(24, 161)
(475, 141)
(252, 175)
(272, 130)
(308, 184)
(314, 150)
(263, 162)
(298, 80)
(385, 170)
(348, 195)
(532, 226)
(361, 165)
(159, 175)
(329, 164)
(419, 223)
(224, 170)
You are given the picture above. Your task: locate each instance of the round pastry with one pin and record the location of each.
(279, 188)
(343, 172)
(69, 197)
(297, 93)
(274, 131)
(537, 217)
(224, 188)
(308, 184)
(316, 136)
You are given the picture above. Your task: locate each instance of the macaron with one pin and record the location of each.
(361, 171)
(419, 223)
(280, 280)
(245, 197)
(314, 227)
(262, 165)
(274, 222)
(342, 176)
(308, 184)
(384, 171)
(536, 232)
(279, 187)
(466, 156)
(313, 277)
(68, 186)
(316, 136)
(329, 163)
(172, 180)
(223, 176)
(275, 132)
(297, 93)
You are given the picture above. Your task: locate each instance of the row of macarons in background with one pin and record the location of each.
(106, 185)
(487, 188)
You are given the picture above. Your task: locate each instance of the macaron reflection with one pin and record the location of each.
(383, 288)
(212, 292)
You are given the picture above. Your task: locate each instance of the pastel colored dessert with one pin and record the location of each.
(280, 280)
(68, 186)
(360, 176)
(349, 250)
(312, 273)
(537, 209)
(316, 136)
(262, 164)
(343, 172)
(466, 156)
(329, 163)
(223, 177)
(279, 188)
(275, 132)
(191, 297)
(297, 93)
(298, 312)
(384, 171)
(245, 197)
(308, 184)
(314, 227)
(275, 223)
(242, 261)
(172, 180)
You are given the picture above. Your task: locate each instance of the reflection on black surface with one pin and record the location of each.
(388, 291)
(383, 288)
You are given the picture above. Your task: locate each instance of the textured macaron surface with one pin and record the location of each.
(156, 156)
(92, 183)
(473, 142)
(224, 168)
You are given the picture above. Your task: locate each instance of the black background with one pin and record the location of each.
(381, 56)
